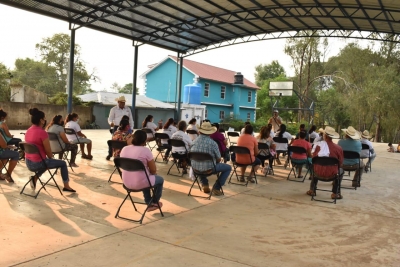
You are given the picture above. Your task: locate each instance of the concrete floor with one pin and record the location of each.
(273, 223)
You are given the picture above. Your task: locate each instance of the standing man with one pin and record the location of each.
(116, 114)
(275, 120)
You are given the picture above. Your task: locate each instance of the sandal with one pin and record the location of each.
(2, 176)
(154, 206)
(338, 196)
(241, 178)
(310, 193)
(300, 176)
(84, 156)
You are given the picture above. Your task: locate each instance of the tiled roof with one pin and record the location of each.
(209, 72)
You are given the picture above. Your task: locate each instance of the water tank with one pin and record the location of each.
(192, 93)
(238, 78)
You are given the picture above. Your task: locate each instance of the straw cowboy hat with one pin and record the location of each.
(329, 131)
(120, 99)
(320, 130)
(352, 133)
(206, 128)
(365, 135)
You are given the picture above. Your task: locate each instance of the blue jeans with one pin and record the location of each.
(9, 154)
(158, 187)
(110, 150)
(225, 170)
(51, 164)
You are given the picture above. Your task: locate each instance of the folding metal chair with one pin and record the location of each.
(366, 147)
(352, 155)
(203, 157)
(3, 165)
(54, 137)
(265, 146)
(326, 161)
(192, 134)
(115, 144)
(176, 156)
(32, 149)
(297, 150)
(241, 150)
(281, 140)
(133, 165)
(149, 140)
(232, 135)
(160, 146)
(72, 132)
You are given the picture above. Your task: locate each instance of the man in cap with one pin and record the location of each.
(275, 120)
(351, 142)
(115, 116)
(205, 144)
(327, 148)
(367, 153)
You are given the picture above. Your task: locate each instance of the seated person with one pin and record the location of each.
(206, 145)
(56, 126)
(312, 134)
(367, 153)
(149, 124)
(72, 122)
(168, 128)
(126, 117)
(301, 159)
(192, 126)
(121, 134)
(7, 154)
(391, 148)
(351, 142)
(245, 124)
(5, 131)
(221, 142)
(265, 137)
(328, 149)
(137, 180)
(302, 129)
(181, 135)
(38, 137)
(398, 148)
(249, 141)
(282, 146)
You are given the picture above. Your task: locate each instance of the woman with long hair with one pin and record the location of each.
(282, 146)
(121, 134)
(138, 180)
(149, 124)
(169, 129)
(5, 131)
(57, 126)
(72, 122)
(312, 134)
(192, 126)
(38, 136)
(264, 154)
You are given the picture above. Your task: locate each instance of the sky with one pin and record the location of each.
(111, 57)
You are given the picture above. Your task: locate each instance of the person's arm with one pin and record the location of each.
(3, 143)
(309, 153)
(63, 137)
(256, 147)
(279, 120)
(316, 152)
(152, 166)
(47, 149)
(131, 119)
(81, 134)
(6, 131)
(111, 117)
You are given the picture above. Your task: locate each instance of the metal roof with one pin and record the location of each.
(109, 99)
(188, 26)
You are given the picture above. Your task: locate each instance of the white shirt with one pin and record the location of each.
(170, 131)
(281, 146)
(116, 115)
(179, 135)
(75, 126)
(313, 135)
(365, 153)
(274, 122)
(192, 127)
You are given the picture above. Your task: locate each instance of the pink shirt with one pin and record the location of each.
(250, 142)
(35, 135)
(301, 143)
(137, 180)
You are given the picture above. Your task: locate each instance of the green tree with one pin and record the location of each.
(62, 99)
(5, 76)
(127, 89)
(268, 71)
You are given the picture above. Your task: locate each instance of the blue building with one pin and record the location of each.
(222, 97)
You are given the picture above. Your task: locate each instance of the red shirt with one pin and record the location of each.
(301, 143)
(35, 135)
(335, 151)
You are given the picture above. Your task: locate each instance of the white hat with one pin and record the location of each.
(276, 111)
(206, 128)
(329, 131)
(352, 133)
(121, 99)
(365, 134)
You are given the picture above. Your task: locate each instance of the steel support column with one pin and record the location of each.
(179, 88)
(134, 85)
(71, 71)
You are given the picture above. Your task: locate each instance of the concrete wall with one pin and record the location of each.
(26, 94)
(18, 113)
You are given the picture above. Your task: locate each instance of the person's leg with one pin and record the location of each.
(203, 180)
(89, 148)
(147, 196)
(224, 170)
(74, 151)
(337, 183)
(13, 156)
(53, 164)
(262, 159)
(358, 173)
(166, 155)
(82, 149)
(158, 188)
(257, 163)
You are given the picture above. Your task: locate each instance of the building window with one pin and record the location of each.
(248, 116)
(223, 89)
(222, 115)
(249, 96)
(206, 114)
(206, 89)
